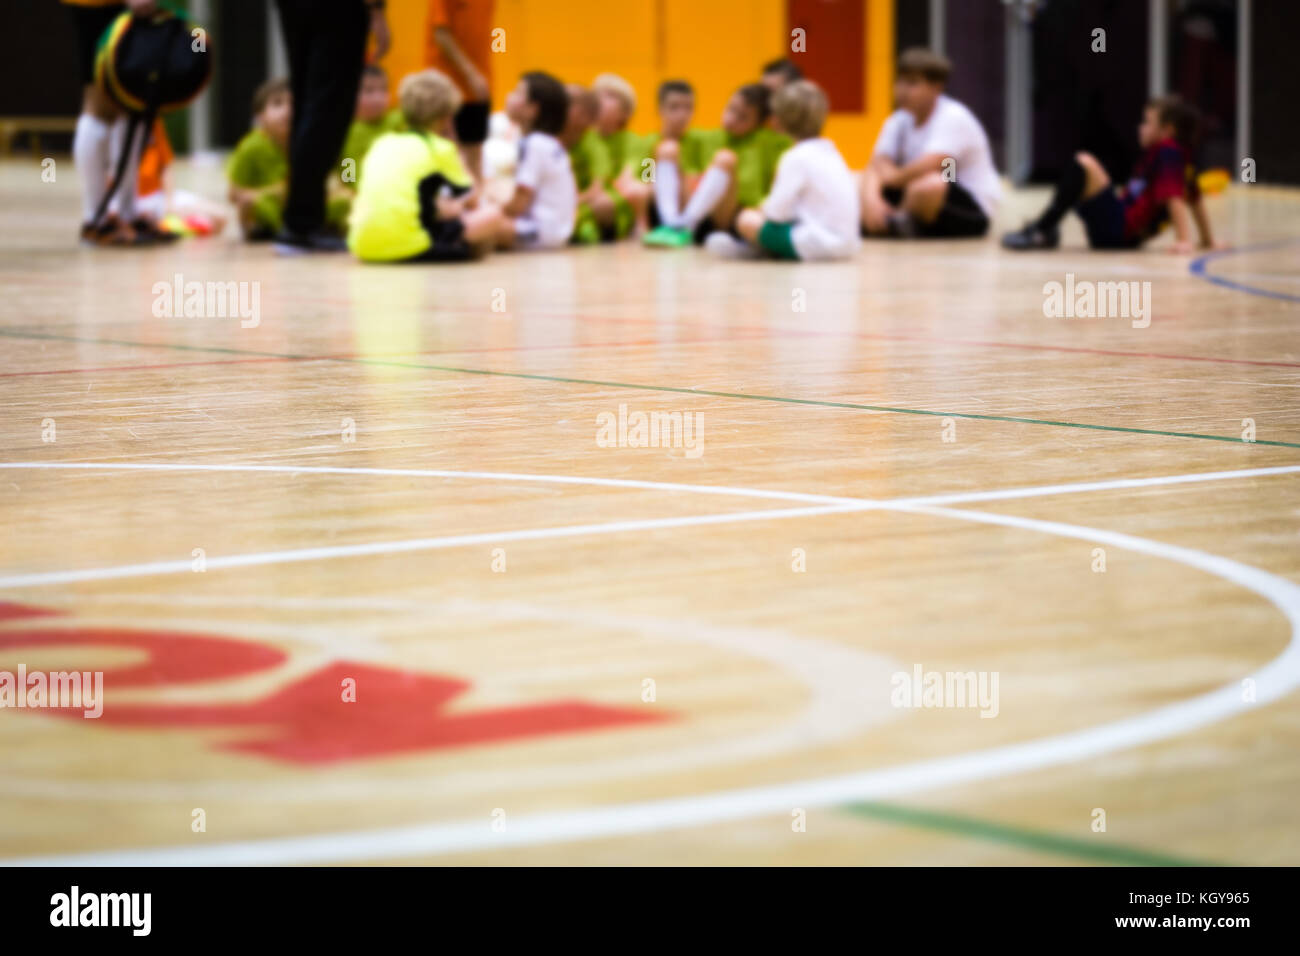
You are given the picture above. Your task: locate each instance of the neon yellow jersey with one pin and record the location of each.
(401, 178)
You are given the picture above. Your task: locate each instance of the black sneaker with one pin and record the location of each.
(1032, 236)
(288, 243)
(151, 233)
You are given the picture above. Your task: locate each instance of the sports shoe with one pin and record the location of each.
(110, 232)
(726, 246)
(1031, 236)
(667, 237)
(151, 233)
(288, 243)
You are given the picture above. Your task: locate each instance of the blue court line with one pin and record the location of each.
(1197, 268)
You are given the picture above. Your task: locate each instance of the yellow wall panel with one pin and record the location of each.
(715, 44)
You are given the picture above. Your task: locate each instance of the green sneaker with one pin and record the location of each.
(666, 237)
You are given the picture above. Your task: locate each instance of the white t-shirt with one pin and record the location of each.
(544, 168)
(951, 130)
(815, 190)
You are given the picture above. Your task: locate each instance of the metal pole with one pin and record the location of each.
(1018, 92)
(938, 26)
(201, 110)
(1158, 45)
(277, 60)
(1243, 81)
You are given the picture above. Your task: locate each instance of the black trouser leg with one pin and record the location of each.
(1068, 193)
(326, 42)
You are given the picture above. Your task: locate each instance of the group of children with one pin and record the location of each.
(765, 183)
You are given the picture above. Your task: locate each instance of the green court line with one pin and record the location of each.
(1096, 849)
(818, 403)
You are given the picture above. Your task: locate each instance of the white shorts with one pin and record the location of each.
(532, 232)
(815, 244)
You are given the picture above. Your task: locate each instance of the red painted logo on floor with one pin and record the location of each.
(307, 721)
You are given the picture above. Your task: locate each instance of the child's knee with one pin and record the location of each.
(749, 223)
(929, 186)
(636, 192)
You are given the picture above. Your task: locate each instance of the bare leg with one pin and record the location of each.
(924, 197)
(1095, 177)
(749, 223)
(875, 211)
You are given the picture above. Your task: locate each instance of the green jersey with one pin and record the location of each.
(401, 178)
(692, 150)
(257, 162)
(757, 154)
(624, 148)
(590, 160)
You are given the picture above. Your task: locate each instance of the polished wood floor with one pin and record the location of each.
(380, 577)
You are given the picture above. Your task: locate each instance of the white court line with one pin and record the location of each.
(1276, 679)
(829, 504)
(258, 558)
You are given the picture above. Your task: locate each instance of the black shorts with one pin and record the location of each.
(961, 217)
(447, 243)
(1103, 219)
(89, 24)
(471, 122)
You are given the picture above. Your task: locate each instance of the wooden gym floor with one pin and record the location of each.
(563, 652)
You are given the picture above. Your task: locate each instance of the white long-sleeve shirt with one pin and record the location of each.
(814, 189)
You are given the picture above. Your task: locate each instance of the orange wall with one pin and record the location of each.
(716, 44)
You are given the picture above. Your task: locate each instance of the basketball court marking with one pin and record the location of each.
(832, 674)
(1036, 841)
(1199, 269)
(825, 505)
(565, 380)
(1275, 679)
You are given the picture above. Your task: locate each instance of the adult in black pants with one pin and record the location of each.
(326, 43)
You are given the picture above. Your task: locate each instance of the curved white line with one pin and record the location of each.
(1277, 678)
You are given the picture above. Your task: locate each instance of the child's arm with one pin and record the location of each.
(902, 175)
(1203, 224)
(478, 86)
(449, 207)
(247, 195)
(779, 206)
(883, 166)
(519, 201)
(1182, 221)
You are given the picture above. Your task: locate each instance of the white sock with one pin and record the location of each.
(123, 202)
(668, 193)
(712, 187)
(90, 156)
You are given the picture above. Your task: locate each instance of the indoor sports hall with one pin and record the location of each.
(940, 553)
